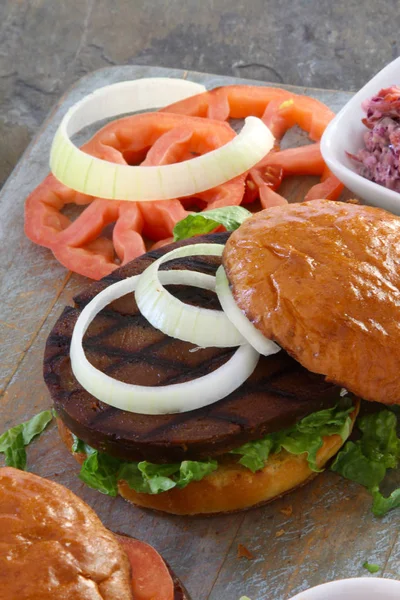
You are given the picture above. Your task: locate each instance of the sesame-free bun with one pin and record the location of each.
(53, 546)
(231, 487)
(322, 279)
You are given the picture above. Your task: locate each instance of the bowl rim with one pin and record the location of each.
(351, 583)
(333, 129)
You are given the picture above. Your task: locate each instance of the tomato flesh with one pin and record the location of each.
(151, 579)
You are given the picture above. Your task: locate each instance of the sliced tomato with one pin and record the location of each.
(228, 194)
(175, 134)
(151, 579)
(240, 101)
(195, 106)
(309, 114)
(330, 188)
(43, 217)
(132, 134)
(127, 239)
(268, 197)
(275, 120)
(230, 101)
(280, 110)
(82, 245)
(305, 160)
(245, 100)
(267, 174)
(162, 243)
(172, 147)
(161, 217)
(251, 192)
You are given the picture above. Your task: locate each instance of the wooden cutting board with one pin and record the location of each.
(321, 532)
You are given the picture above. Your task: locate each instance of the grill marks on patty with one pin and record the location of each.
(124, 345)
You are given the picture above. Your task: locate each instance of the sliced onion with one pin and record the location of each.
(103, 179)
(155, 400)
(200, 326)
(251, 334)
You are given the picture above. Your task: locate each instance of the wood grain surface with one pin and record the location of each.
(321, 532)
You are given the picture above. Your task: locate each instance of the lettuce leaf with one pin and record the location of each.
(15, 453)
(78, 446)
(192, 470)
(371, 567)
(382, 505)
(298, 442)
(354, 465)
(149, 478)
(231, 217)
(379, 441)
(102, 472)
(255, 454)
(14, 440)
(304, 437)
(367, 460)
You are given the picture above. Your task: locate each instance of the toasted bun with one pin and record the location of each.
(329, 291)
(53, 546)
(231, 487)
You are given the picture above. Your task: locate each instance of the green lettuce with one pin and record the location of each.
(255, 454)
(231, 217)
(14, 440)
(367, 460)
(382, 505)
(149, 478)
(304, 437)
(102, 472)
(371, 567)
(80, 446)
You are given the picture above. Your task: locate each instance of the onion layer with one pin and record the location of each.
(200, 326)
(175, 398)
(103, 179)
(251, 334)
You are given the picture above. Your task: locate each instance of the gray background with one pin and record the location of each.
(46, 45)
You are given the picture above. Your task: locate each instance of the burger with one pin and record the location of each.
(320, 279)
(54, 546)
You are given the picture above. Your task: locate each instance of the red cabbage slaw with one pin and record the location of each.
(379, 160)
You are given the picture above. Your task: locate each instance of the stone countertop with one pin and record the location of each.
(46, 45)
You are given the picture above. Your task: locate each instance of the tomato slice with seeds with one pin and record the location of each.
(280, 110)
(177, 133)
(82, 245)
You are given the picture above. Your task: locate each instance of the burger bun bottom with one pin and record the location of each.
(232, 487)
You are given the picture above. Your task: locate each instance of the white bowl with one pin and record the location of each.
(345, 133)
(359, 588)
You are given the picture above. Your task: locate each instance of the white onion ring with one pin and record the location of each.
(153, 400)
(200, 326)
(104, 179)
(251, 334)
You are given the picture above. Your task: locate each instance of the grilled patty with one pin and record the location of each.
(124, 345)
